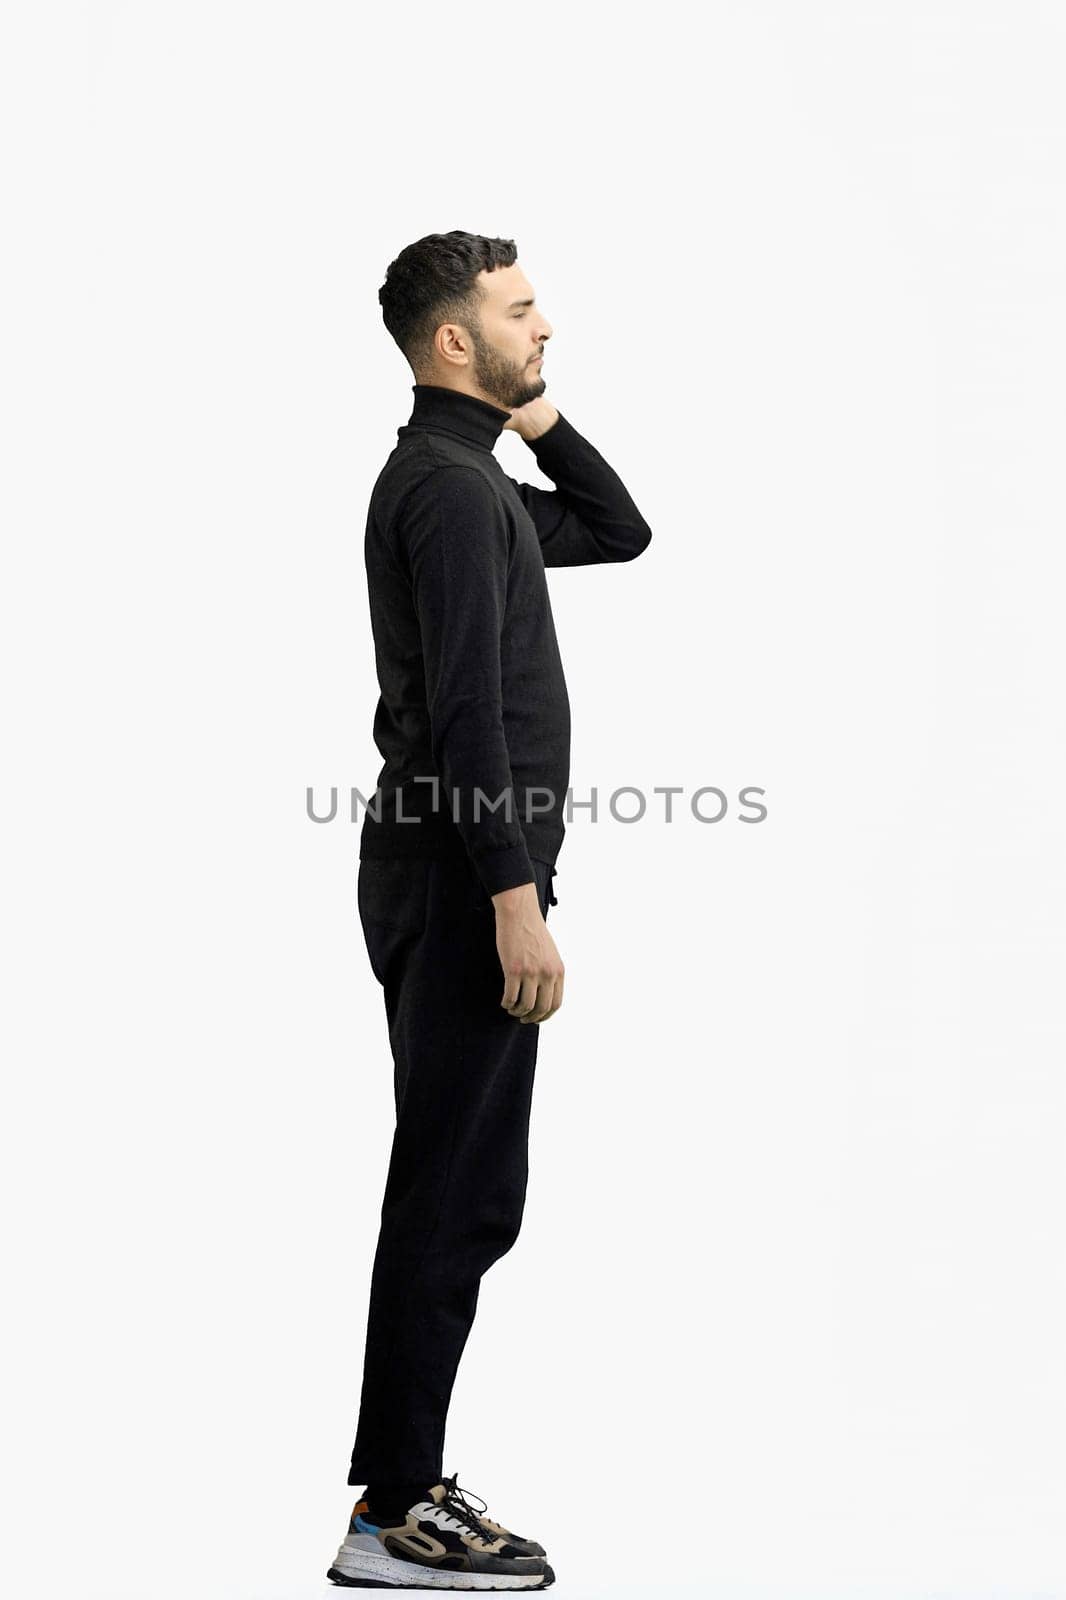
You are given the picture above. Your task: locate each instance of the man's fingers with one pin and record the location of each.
(551, 998)
(542, 1002)
(519, 994)
(534, 1000)
(530, 961)
(527, 999)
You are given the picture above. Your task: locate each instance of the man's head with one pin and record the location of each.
(462, 311)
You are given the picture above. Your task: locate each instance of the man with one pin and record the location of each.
(457, 857)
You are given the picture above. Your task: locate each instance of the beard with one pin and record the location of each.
(510, 384)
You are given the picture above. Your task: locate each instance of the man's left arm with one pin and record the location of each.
(590, 515)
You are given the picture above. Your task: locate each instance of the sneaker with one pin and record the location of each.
(496, 1530)
(438, 1543)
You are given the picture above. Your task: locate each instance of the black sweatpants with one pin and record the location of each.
(463, 1080)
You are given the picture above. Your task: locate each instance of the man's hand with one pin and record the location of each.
(532, 967)
(533, 419)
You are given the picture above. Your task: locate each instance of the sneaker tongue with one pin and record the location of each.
(437, 1493)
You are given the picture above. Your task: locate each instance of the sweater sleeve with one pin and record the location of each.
(455, 542)
(590, 515)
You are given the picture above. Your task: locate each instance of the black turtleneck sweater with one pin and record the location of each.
(473, 696)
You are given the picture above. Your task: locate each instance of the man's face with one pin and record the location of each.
(512, 335)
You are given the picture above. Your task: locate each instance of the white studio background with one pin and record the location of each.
(787, 1317)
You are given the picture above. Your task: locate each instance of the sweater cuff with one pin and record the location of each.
(561, 432)
(505, 869)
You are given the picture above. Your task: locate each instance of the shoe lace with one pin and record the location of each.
(458, 1504)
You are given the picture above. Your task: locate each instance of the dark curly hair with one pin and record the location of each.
(434, 280)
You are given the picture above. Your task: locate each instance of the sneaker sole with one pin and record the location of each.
(366, 1569)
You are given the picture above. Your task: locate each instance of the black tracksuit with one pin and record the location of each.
(472, 686)
(473, 703)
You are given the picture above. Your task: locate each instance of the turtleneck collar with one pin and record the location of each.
(443, 410)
